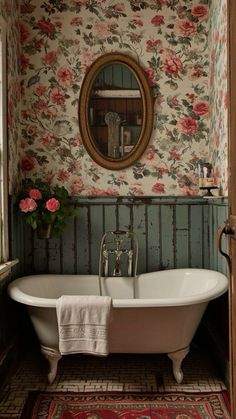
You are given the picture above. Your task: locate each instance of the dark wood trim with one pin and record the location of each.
(232, 193)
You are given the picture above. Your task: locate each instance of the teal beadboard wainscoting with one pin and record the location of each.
(218, 213)
(216, 321)
(173, 232)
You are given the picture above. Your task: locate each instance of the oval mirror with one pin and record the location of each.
(115, 111)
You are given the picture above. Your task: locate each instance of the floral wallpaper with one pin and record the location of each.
(10, 10)
(218, 117)
(59, 41)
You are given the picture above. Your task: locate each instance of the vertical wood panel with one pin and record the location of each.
(217, 215)
(96, 222)
(124, 221)
(182, 237)
(68, 247)
(206, 238)
(221, 217)
(40, 255)
(22, 245)
(110, 221)
(153, 243)
(167, 236)
(196, 236)
(139, 227)
(82, 241)
(54, 255)
(217, 224)
(213, 237)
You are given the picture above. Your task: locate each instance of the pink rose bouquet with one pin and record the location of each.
(42, 205)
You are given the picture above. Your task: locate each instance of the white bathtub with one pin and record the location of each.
(157, 312)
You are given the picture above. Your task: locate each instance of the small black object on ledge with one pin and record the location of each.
(208, 189)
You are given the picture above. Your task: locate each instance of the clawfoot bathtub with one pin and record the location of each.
(156, 312)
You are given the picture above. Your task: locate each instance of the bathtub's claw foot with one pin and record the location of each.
(177, 359)
(52, 357)
(53, 370)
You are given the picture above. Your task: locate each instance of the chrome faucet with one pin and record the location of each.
(118, 252)
(130, 257)
(117, 269)
(105, 260)
(112, 251)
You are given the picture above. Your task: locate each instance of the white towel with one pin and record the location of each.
(83, 324)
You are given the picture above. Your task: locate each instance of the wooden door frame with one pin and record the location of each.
(231, 17)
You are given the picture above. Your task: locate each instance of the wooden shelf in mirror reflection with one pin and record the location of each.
(128, 94)
(126, 125)
(129, 110)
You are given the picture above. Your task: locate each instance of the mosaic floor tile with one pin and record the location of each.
(124, 372)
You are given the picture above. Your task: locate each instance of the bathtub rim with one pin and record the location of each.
(21, 297)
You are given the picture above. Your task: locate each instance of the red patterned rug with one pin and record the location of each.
(109, 405)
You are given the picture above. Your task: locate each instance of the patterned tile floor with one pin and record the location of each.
(116, 372)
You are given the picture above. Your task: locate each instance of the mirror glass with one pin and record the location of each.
(115, 111)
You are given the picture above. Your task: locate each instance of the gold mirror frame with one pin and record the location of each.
(147, 104)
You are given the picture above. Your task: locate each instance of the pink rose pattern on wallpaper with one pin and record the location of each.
(218, 96)
(60, 40)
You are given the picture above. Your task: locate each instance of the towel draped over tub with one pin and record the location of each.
(83, 324)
